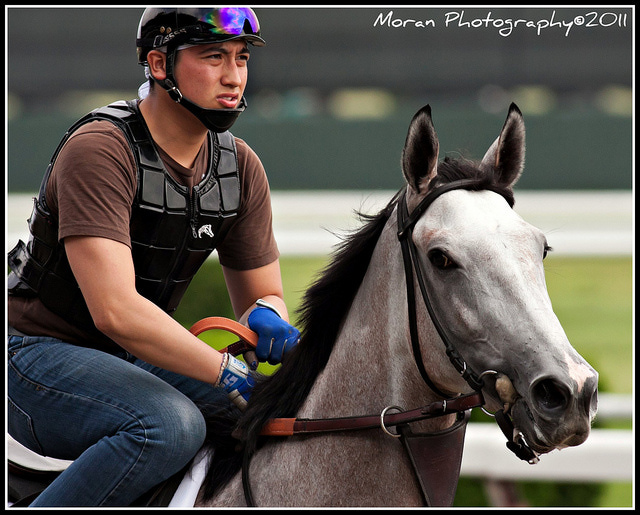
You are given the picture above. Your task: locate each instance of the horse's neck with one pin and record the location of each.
(372, 365)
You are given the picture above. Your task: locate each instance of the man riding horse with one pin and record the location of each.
(136, 197)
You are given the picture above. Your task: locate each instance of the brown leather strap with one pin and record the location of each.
(436, 459)
(294, 426)
(291, 426)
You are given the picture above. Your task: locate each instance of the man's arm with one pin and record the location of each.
(247, 286)
(105, 273)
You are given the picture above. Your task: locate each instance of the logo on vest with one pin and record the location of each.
(206, 230)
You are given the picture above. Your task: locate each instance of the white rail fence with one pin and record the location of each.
(575, 222)
(310, 222)
(606, 456)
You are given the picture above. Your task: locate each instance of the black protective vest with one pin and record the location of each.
(172, 230)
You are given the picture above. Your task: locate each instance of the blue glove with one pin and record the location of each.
(236, 380)
(275, 336)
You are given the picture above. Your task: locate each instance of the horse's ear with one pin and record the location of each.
(420, 153)
(506, 155)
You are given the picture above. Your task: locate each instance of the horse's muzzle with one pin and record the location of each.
(557, 414)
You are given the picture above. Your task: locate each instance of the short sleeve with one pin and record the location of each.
(93, 184)
(250, 242)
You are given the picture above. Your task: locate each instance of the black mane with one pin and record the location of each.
(321, 314)
(323, 308)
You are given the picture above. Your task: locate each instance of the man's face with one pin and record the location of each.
(214, 75)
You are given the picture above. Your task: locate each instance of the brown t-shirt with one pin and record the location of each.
(91, 191)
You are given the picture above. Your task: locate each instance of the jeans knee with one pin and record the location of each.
(183, 430)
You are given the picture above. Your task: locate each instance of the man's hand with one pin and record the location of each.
(276, 337)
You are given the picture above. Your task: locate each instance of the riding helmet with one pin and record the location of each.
(167, 29)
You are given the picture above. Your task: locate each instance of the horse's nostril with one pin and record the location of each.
(550, 395)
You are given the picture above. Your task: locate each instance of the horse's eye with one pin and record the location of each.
(440, 260)
(547, 249)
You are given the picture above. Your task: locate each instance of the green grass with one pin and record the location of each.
(592, 298)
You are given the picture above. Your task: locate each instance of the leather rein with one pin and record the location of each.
(299, 426)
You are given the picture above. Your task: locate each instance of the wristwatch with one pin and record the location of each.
(264, 304)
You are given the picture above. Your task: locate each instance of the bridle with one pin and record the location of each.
(406, 224)
(458, 405)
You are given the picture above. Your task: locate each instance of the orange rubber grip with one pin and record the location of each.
(248, 337)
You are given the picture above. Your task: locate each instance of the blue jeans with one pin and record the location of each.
(127, 425)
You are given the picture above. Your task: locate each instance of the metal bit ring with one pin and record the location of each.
(384, 412)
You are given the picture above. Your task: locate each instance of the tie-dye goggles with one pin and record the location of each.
(229, 20)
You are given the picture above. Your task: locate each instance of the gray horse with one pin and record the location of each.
(484, 322)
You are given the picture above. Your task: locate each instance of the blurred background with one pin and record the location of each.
(330, 99)
(331, 95)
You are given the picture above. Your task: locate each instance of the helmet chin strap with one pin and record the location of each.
(216, 120)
